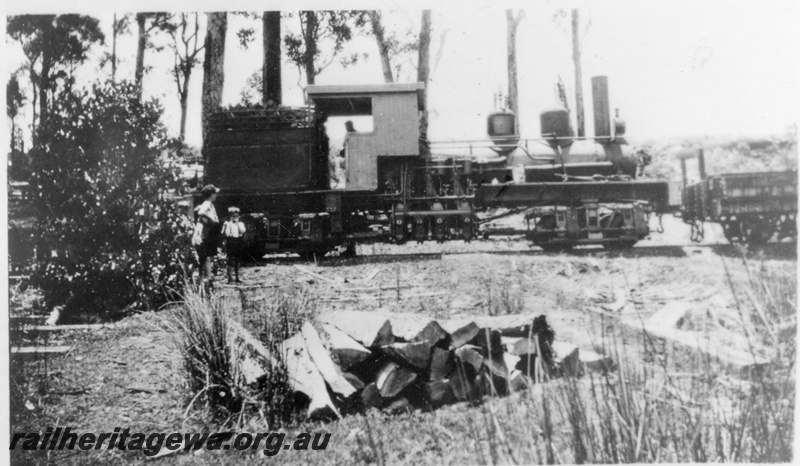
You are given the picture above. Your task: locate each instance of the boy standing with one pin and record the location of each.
(233, 232)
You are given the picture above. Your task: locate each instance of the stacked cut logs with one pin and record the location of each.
(351, 361)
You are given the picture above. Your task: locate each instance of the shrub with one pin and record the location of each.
(109, 234)
(208, 337)
(211, 356)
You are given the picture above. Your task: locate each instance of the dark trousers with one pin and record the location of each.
(233, 248)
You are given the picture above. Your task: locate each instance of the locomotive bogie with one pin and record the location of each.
(433, 225)
(588, 223)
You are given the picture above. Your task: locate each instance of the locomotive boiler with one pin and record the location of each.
(273, 163)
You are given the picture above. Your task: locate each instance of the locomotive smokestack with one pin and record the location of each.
(602, 123)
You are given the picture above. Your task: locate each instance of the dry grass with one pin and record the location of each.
(652, 409)
(205, 330)
(202, 331)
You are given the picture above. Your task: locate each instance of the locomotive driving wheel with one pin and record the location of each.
(732, 231)
(756, 230)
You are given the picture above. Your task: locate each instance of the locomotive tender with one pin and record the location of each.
(273, 163)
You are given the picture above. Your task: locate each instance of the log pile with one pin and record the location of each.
(351, 361)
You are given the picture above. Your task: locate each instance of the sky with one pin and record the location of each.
(677, 68)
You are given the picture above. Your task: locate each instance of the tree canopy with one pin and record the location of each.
(54, 43)
(334, 29)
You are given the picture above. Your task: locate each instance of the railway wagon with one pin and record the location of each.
(273, 163)
(751, 207)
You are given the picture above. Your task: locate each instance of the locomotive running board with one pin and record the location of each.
(530, 194)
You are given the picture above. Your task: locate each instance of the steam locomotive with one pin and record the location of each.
(274, 164)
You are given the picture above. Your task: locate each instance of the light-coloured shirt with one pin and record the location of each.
(231, 229)
(206, 209)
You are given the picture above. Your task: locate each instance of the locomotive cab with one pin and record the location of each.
(372, 158)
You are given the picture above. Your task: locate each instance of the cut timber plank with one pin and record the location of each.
(317, 276)
(496, 365)
(514, 325)
(251, 370)
(432, 333)
(348, 351)
(470, 355)
(525, 346)
(371, 276)
(568, 357)
(441, 364)
(597, 362)
(247, 286)
(250, 342)
(372, 289)
(406, 325)
(416, 354)
(463, 334)
(16, 320)
(510, 359)
(508, 343)
(519, 381)
(367, 328)
(669, 316)
(33, 352)
(372, 396)
(489, 340)
(463, 385)
(354, 381)
(369, 297)
(329, 370)
(392, 379)
(305, 378)
(731, 356)
(439, 393)
(65, 328)
(400, 405)
(257, 360)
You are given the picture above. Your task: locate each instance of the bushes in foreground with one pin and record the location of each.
(109, 236)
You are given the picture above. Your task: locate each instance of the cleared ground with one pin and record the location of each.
(131, 376)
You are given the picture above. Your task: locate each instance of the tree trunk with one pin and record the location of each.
(184, 101)
(383, 46)
(423, 69)
(511, 40)
(311, 45)
(44, 85)
(141, 19)
(213, 67)
(34, 123)
(272, 89)
(576, 57)
(114, 51)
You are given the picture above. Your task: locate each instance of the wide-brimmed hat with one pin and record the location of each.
(209, 189)
(233, 210)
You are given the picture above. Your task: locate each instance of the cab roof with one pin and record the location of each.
(355, 99)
